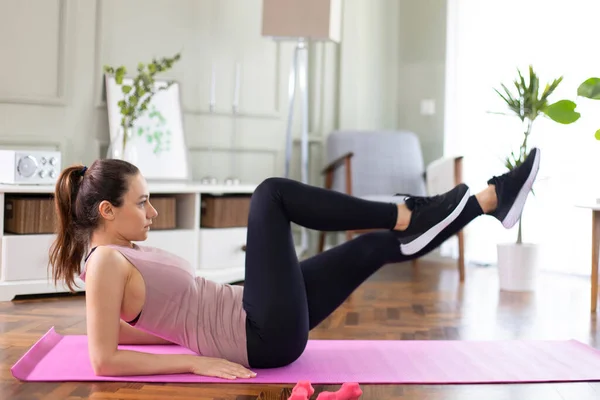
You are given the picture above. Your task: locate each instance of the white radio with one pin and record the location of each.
(34, 167)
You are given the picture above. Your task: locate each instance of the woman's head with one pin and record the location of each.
(110, 198)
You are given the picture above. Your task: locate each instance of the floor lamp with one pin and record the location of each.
(301, 21)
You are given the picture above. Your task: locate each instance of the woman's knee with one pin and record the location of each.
(275, 342)
(277, 355)
(269, 186)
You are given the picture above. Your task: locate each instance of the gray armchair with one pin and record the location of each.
(377, 164)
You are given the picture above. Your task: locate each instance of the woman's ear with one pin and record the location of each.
(106, 210)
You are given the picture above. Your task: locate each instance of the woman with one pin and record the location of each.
(142, 295)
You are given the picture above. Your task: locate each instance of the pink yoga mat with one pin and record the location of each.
(65, 358)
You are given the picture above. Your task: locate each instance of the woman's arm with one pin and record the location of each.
(131, 335)
(106, 275)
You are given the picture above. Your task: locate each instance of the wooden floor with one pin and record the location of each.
(398, 302)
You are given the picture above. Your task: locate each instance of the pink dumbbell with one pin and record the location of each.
(348, 391)
(302, 391)
(299, 394)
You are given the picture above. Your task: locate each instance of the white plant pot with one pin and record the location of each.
(518, 266)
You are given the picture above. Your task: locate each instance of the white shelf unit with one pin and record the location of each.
(217, 253)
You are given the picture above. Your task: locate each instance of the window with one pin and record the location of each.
(487, 42)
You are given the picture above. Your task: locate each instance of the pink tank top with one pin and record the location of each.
(191, 311)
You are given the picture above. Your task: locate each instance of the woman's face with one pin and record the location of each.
(133, 218)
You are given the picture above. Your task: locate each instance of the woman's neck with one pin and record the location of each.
(103, 239)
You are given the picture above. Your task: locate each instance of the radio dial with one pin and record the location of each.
(27, 166)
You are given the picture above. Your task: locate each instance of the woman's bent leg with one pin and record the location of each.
(330, 277)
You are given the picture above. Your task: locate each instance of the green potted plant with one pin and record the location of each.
(518, 262)
(138, 91)
(590, 89)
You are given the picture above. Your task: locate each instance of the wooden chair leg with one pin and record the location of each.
(461, 255)
(349, 235)
(458, 178)
(321, 242)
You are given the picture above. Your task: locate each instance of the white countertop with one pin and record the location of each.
(590, 204)
(178, 187)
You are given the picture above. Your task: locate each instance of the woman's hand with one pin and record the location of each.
(220, 368)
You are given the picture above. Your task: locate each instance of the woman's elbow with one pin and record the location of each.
(103, 365)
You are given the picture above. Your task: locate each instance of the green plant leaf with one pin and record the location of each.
(140, 92)
(508, 163)
(551, 88)
(120, 74)
(149, 138)
(563, 111)
(506, 100)
(590, 89)
(513, 104)
(597, 134)
(140, 131)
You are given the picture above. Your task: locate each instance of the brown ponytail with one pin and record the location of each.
(78, 193)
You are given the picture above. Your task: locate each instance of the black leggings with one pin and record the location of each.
(283, 298)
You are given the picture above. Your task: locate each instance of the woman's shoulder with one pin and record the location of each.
(108, 258)
(105, 252)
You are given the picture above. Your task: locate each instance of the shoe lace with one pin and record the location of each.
(494, 180)
(425, 201)
(503, 180)
(420, 201)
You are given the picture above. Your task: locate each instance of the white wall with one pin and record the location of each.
(483, 54)
(369, 65)
(51, 77)
(53, 51)
(392, 57)
(422, 75)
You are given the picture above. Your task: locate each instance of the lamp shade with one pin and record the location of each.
(319, 20)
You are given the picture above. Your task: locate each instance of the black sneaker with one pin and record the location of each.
(430, 216)
(513, 187)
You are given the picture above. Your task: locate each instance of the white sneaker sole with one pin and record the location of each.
(515, 211)
(423, 240)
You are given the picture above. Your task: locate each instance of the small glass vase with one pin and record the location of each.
(123, 148)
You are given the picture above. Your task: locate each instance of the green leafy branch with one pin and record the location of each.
(140, 92)
(590, 89)
(528, 104)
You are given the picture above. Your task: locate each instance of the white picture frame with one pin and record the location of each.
(162, 153)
